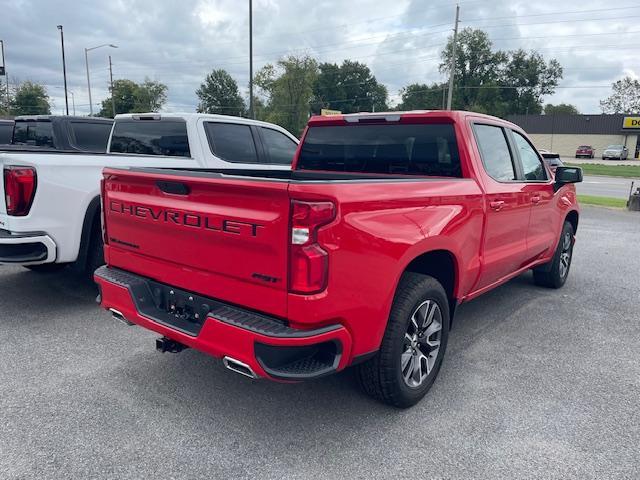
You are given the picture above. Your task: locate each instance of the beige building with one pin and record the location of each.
(563, 134)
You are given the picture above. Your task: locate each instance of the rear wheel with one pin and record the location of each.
(95, 254)
(555, 273)
(413, 345)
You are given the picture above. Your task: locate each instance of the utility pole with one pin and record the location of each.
(4, 72)
(252, 113)
(113, 101)
(86, 63)
(453, 58)
(64, 70)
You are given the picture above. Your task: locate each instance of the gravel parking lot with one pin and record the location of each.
(536, 384)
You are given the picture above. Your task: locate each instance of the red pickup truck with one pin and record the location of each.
(359, 255)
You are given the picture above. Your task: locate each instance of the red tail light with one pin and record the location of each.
(103, 214)
(19, 189)
(309, 262)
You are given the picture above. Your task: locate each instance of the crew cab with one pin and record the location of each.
(358, 256)
(50, 207)
(62, 133)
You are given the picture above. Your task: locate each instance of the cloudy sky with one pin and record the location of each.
(178, 41)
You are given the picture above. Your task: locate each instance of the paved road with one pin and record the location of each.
(606, 186)
(536, 384)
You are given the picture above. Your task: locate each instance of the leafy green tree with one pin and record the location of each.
(625, 97)
(219, 94)
(288, 89)
(528, 78)
(560, 109)
(5, 103)
(476, 66)
(124, 95)
(497, 82)
(30, 98)
(150, 96)
(131, 97)
(419, 96)
(350, 88)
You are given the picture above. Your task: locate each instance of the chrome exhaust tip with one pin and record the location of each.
(239, 367)
(117, 315)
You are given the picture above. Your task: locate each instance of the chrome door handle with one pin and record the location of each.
(496, 205)
(535, 199)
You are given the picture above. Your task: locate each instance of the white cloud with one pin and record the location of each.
(178, 42)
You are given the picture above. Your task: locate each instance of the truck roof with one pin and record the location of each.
(60, 117)
(395, 116)
(190, 116)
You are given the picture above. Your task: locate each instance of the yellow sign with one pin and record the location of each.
(631, 122)
(326, 111)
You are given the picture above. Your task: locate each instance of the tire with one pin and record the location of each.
(47, 267)
(95, 253)
(407, 364)
(555, 273)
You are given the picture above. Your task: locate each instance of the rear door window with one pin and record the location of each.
(280, 148)
(37, 132)
(91, 136)
(6, 132)
(405, 149)
(495, 152)
(231, 142)
(151, 137)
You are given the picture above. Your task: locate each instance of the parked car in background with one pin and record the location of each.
(552, 160)
(6, 131)
(359, 255)
(585, 151)
(615, 152)
(59, 133)
(50, 201)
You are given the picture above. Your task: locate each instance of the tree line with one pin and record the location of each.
(487, 80)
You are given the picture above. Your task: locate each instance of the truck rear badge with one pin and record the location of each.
(187, 219)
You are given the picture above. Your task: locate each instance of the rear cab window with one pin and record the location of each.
(33, 132)
(402, 149)
(167, 137)
(91, 136)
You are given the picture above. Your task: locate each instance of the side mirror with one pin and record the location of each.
(565, 175)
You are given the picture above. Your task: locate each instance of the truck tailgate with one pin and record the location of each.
(219, 236)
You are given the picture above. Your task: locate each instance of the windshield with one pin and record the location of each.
(615, 147)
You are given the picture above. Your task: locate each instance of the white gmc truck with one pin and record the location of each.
(50, 212)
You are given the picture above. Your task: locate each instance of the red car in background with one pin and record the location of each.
(585, 151)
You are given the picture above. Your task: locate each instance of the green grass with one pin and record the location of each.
(602, 201)
(626, 171)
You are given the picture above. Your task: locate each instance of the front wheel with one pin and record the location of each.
(554, 274)
(413, 345)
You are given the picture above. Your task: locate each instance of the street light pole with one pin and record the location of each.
(64, 69)
(86, 62)
(4, 72)
(113, 101)
(252, 113)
